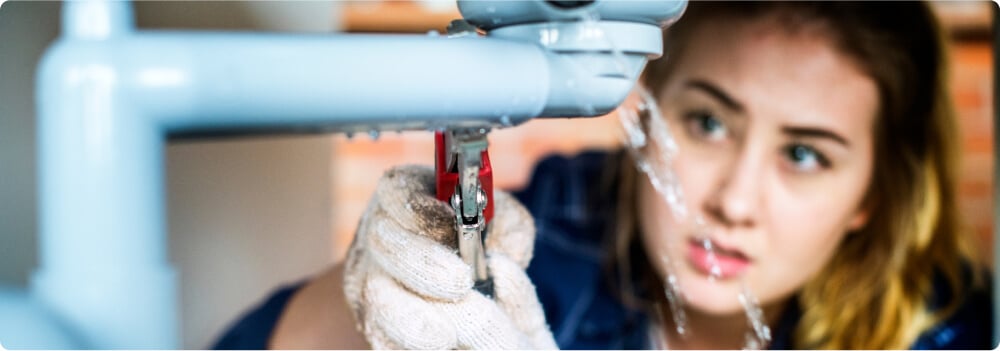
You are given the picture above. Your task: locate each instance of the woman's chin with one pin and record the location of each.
(711, 296)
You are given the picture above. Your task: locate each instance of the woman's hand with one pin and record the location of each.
(408, 288)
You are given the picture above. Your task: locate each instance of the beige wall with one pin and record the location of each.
(25, 30)
(246, 216)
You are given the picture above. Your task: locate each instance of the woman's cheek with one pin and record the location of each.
(801, 238)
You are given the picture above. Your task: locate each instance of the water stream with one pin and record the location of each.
(647, 137)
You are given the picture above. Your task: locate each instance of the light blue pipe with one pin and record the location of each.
(108, 97)
(25, 323)
(181, 82)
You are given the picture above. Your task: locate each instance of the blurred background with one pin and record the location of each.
(247, 215)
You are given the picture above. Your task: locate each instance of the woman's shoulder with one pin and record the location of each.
(311, 314)
(572, 199)
(252, 330)
(970, 326)
(562, 179)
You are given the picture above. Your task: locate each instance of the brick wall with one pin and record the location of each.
(358, 163)
(972, 90)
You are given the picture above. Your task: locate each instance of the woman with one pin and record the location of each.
(816, 156)
(819, 141)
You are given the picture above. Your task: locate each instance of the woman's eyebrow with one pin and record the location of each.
(815, 133)
(716, 92)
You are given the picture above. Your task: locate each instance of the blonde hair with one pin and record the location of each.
(876, 292)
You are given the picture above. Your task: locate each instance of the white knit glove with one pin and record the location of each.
(409, 289)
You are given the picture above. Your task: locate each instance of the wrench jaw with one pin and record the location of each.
(465, 180)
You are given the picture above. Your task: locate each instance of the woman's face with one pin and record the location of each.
(776, 152)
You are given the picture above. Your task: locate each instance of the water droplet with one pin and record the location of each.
(760, 334)
(675, 298)
(433, 33)
(649, 139)
(491, 9)
(505, 120)
(373, 134)
(715, 272)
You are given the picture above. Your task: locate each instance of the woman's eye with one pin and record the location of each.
(805, 158)
(705, 125)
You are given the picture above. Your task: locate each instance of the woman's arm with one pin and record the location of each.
(318, 317)
(403, 279)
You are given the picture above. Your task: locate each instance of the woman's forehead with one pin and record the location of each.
(779, 76)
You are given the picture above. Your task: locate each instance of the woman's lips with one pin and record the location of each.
(717, 263)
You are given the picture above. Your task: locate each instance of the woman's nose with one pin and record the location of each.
(735, 201)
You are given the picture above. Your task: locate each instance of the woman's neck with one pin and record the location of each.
(710, 331)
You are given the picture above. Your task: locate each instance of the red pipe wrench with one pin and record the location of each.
(464, 179)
